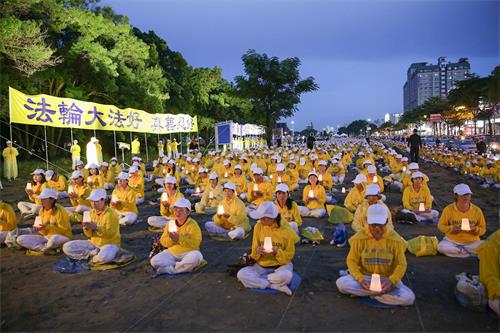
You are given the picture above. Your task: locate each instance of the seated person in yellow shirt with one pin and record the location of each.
(57, 183)
(231, 219)
(108, 176)
(490, 175)
(356, 194)
(211, 197)
(8, 220)
(259, 190)
(123, 201)
(136, 182)
(280, 177)
(78, 193)
(417, 199)
(240, 181)
(35, 188)
(52, 225)
(273, 249)
(489, 269)
(181, 239)
(324, 177)
(293, 173)
(314, 197)
(379, 250)
(373, 178)
(462, 224)
(288, 209)
(372, 197)
(103, 231)
(94, 180)
(337, 171)
(169, 196)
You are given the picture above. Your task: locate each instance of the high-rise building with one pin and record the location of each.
(426, 80)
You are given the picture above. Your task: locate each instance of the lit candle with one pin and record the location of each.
(225, 174)
(320, 177)
(220, 210)
(172, 226)
(114, 198)
(211, 195)
(404, 169)
(89, 180)
(343, 189)
(311, 194)
(255, 187)
(375, 284)
(70, 189)
(271, 176)
(375, 179)
(465, 224)
(279, 179)
(28, 186)
(465, 172)
(164, 197)
(421, 207)
(38, 221)
(192, 168)
(268, 244)
(86, 216)
(198, 190)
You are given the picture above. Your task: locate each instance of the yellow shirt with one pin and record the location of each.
(189, 238)
(108, 228)
(75, 151)
(451, 217)
(126, 200)
(37, 189)
(56, 222)
(116, 168)
(385, 256)
(83, 192)
(490, 172)
(169, 211)
(319, 193)
(8, 220)
(238, 215)
(327, 180)
(360, 222)
(267, 193)
(59, 185)
(289, 215)
(136, 145)
(354, 198)
(137, 184)
(240, 183)
(412, 199)
(489, 264)
(379, 182)
(285, 179)
(108, 177)
(283, 239)
(97, 181)
(217, 193)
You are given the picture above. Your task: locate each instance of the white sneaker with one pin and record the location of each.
(283, 289)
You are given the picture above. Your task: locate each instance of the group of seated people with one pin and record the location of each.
(232, 195)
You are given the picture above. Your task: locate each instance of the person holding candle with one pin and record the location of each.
(8, 220)
(462, 224)
(381, 251)
(373, 178)
(108, 176)
(57, 183)
(293, 173)
(80, 167)
(94, 180)
(102, 229)
(136, 182)
(123, 201)
(273, 249)
(337, 171)
(169, 196)
(259, 190)
(240, 181)
(114, 167)
(356, 194)
(78, 193)
(314, 196)
(417, 199)
(212, 195)
(231, 219)
(181, 239)
(489, 269)
(53, 228)
(406, 178)
(33, 190)
(288, 209)
(280, 177)
(372, 197)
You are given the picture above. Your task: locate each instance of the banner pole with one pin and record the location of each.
(146, 141)
(71, 133)
(130, 145)
(114, 139)
(46, 147)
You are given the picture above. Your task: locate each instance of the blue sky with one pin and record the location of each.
(358, 51)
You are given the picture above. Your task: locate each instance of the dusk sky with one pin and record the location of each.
(358, 51)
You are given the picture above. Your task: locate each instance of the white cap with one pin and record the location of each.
(189, 159)
(274, 157)
(237, 166)
(312, 173)
(105, 164)
(226, 162)
(213, 176)
(113, 159)
(136, 163)
(372, 169)
(417, 174)
(489, 162)
(196, 160)
(462, 189)
(404, 159)
(76, 174)
(97, 194)
(92, 166)
(171, 161)
(48, 193)
(230, 185)
(265, 209)
(367, 162)
(258, 171)
(280, 167)
(292, 162)
(170, 180)
(49, 174)
(38, 172)
(135, 158)
(282, 188)
(79, 162)
(372, 189)
(399, 156)
(302, 161)
(123, 176)
(183, 203)
(335, 161)
(360, 178)
(313, 157)
(413, 166)
(133, 169)
(202, 169)
(376, 214)
(8, 141)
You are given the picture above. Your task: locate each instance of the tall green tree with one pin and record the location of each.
(274, 86)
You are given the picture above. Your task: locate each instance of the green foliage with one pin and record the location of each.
(357, 127)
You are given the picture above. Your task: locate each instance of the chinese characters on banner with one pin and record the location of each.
(66, 112)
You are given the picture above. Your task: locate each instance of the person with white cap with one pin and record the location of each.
(81, 167)
(8, 220)
(107, 176)
(123, 201)
(259, 190)
(356, 194)
(314, 197)
(303, 169)
(288, 209)
(94, 180)
(211, 197)
(280, 177)
(490, 175)
(293, 173)
(372, 196)
(226, 172)
(373, 178)
(75, 154)
(406, 178)
(240, 181)
(462, 224)
(381, 251)
(489, 269)
(273, 249)
(417, 199)
(136, 182)
(232, 220)
(10, 161)
(169, 196)
(53, 229)
(324, 177)
(181, 239)
(36, 187)
(78, 193)
(114, 167)
(161, 147)
(57, 183)
(337, 171)
(103, 231)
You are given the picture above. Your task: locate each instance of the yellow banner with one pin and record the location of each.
(66, 112)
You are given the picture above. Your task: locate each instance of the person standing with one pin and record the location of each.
(75, 154)
(310, 141)
(415, 144)
(161, 149)
(92, 152)
(136, 147)
(10, 161)
(481, 146)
